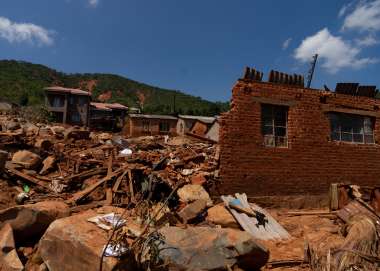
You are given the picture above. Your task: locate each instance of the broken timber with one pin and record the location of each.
(82, 194)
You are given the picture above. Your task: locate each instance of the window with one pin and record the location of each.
(274, 125)
(351, 128)
(146, 125)
(164, 127)
(56, 101)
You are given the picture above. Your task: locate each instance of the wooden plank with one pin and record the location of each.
(109, 196)
(27, 177)
(305, 213)
(131, 190)
(118, 181)
(333, 108)
(86, 174)
(82, 194)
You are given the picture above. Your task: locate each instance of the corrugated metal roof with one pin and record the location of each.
(145, 116)
(207, 120)
(108, 106)
(271, 228)
(68, 90)
(100, 106)
(116, 106)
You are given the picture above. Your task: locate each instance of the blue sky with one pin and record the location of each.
(199, 46)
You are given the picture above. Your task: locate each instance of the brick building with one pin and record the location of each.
(144, 125)
(280, 138)
(68, 105)
(107, 116)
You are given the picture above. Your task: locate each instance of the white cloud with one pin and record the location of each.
(344, 10)
(334, 52)
(286, 44)
(93, 3)
(24, 32)
(364, 17)
(367, 41)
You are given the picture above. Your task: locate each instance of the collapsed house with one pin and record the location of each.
(280, 138)
(109, 116)
(74, 106)
(187, 122)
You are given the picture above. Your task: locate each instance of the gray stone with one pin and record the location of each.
(12, 125)
(205, 248)
(74, 244)
(27, 159)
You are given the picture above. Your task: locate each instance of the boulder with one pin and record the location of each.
(30, 221)
(192, 210)
(27, 159)
(9, 259)
(13, 125)
(219, 215)
(74, 244)
(205, 248)
(193, 192)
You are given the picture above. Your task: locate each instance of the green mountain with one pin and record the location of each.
(22, 82)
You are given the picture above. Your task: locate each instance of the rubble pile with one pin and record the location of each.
(72, 184)
(72, 199)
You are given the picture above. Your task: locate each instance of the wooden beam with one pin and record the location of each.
(332, 108)
(264, 100)
(82, 194)
(27, 177)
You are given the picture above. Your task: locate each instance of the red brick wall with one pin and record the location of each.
(310, 163)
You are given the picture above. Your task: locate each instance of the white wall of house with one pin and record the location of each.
(213, 132)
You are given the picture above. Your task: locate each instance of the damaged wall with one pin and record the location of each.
(311, 161)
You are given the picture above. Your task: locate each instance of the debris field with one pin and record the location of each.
(73, 199)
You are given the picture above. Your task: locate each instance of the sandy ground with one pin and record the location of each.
(313, 229)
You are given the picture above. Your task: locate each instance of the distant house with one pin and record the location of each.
(186, 123)
(107, 116)
(68, 105)
(213, 132)
(140, 125)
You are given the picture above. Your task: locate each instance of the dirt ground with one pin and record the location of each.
(303, 229)
(317, 230)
